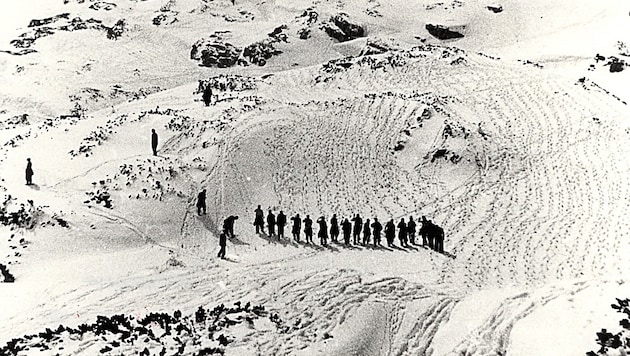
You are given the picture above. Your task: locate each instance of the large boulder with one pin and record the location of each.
(341, 28)
(213, 53)
(443, 32)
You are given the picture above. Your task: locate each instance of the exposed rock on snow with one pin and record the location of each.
(495, 9)
(214, 53)
(341, 28)
(443, 32)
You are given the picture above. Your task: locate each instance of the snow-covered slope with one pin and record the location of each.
(505, 137)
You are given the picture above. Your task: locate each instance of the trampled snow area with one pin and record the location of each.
(513, 138)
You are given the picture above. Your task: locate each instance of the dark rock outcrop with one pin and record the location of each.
(212, 53)
(341, 28)
(259, 52)
(443, 32)
(495, 9)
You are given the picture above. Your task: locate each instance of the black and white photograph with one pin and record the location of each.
(315, 177)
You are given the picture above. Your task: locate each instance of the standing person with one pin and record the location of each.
(154, 141)
(411, 230)
(259, 220)
(424, 230)
(431, 234)
(29, 172)
(323, 231)
(439, 239)
(222, 243)
(366, 232)
(281, 221)
(201, 203)
(271, 223)
(356, 231)
(377, 228)
(346, 227)
(390, 232)
(334, 228)
(228, 225)
(402, 232)
(297, 224)
(207, 94)
(308, 229)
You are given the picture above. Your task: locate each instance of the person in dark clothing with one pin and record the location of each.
(356, 230)
(154, 141)
(207, 95)
(222, 243)
(29, 172)
(281, 221)
(323, 231)
(402, 232)
(346, 227)
(424, 230)
(366, 232)
(439, 239)
(390, 232)
(228, 225)
(377, 228)
(431, 234)
(297, 224)
(334, 228)
(259, 220)
(201, 203)
(308, 229)
(271, 223)
(411, 230)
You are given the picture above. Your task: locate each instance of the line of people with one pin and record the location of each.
(362, 232)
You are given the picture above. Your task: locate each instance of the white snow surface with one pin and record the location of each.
(534, 201)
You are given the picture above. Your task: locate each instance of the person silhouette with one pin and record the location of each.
(390, 232)
(222, 243)
(297, 224)
(228, 225)
(411, 230)
(334, 228)
(281, 220)
(308, 229)
(377, 228)
(356, 230)
(402, 232)
(207, 95)
(154, 141)
(346, 227)
(201, 203)
(271, 223)
(366, 232)
(323, 231)
(29, 172)
(259, 220)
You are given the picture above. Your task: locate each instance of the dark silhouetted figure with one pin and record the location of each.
(438, 232)
(228, 225)
(334, 228)
(390, 232)
(271, 223)
(402, 232)
(411, 230)
(207, 95)
(376, 229)
(366, 232)
(297, 224)
(424, 231)
(259, 220)
(222, 243)
(29, 172)
(346, 227)
(201, 203)
(356, 230)
(281, 221)
(431, 234)
(154, 141)
(308, 229)
(323, 231)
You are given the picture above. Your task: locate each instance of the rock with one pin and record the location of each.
(342, 29)
(114, 32)
(375, 47)
(260, 52)
(616, 65)
(495, 9)
(213, 53)
(442, 32)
